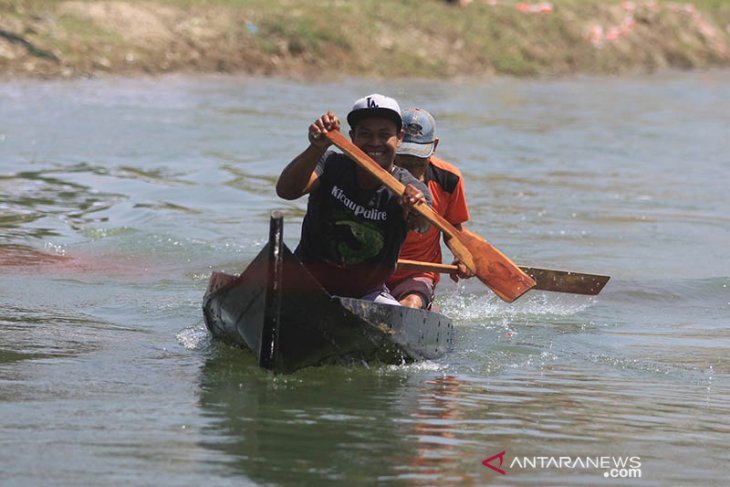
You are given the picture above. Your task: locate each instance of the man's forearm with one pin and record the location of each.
(296, 178)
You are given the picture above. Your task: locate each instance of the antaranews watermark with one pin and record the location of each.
(621, 467)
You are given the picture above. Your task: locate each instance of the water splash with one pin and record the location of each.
(194, 338)
(480, 307)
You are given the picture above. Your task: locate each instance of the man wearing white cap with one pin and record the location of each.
(354, 226)
(446, 184)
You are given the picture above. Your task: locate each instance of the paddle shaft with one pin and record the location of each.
(491, 266)
(546, 279)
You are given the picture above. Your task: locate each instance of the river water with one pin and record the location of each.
(118, 197)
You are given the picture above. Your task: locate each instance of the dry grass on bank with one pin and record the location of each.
(301, 38)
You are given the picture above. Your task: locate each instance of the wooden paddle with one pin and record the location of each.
(546, 279)
(562, 281)
(490, 265)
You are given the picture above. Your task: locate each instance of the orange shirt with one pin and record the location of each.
(447, 188)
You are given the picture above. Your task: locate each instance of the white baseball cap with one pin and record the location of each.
(375, 105)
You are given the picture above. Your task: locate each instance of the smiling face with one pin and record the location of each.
(379, 138)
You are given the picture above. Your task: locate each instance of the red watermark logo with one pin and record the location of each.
(614, 467)
(488, 462)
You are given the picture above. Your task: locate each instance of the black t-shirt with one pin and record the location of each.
(351, 236)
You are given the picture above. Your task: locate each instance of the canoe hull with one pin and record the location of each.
(277, 309)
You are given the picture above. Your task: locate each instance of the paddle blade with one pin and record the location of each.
(567, 282)
(494, 269)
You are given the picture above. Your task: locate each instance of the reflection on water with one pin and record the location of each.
(323, 426)
(332, 425)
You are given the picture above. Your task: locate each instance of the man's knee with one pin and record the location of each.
(412, 301)
(414, 292)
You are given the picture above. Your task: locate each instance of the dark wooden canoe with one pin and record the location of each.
(279, 311)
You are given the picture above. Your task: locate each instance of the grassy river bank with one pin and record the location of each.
(375, 38)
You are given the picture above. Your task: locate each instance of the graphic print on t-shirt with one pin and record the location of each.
(350, 241)
(359, 210)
